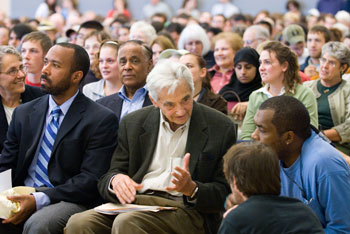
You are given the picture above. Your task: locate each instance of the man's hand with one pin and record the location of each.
(238, 111)
(182, 180)
(310, 71)
(27, 208)
(125, 188)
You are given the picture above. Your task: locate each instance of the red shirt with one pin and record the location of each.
(27, 82)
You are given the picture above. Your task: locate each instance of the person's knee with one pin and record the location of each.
(37, 225)
(76, 224)
(127, 222)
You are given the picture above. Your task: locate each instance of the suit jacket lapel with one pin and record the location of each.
(37, 120)
(118, 103)
(72, 117)
(197, 136)
(148, 139)
(147, 101)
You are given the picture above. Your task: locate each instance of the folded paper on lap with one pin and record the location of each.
(113, 209)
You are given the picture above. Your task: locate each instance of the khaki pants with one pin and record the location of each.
(182, 220)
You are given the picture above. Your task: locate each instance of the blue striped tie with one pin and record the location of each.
(41, 173)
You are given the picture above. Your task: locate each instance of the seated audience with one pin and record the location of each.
(169, 154)
(110, 83)
(86, 28)
(91, 44)
(244, 80)
(134, 61)
(4, 35)
(279, 72)
(202, 89)
(312, 170)
(142, 31)
(253, 172)
(333, 95)
(17, 32)
(316, 37)
(33, 50)
(59, 144)
(13, 91)
(254, 35)
(226, 45)
(294, 37)
(194, 39)
(159, 44)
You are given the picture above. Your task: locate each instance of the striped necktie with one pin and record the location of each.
(41, 172)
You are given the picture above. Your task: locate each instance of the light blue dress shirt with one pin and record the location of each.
(41, 198)
(130, 105)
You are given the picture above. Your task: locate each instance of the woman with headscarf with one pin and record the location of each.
(244, 80)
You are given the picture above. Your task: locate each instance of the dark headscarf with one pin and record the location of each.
(250, 56)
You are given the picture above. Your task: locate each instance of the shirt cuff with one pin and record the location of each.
(110, 188)
(41, 200)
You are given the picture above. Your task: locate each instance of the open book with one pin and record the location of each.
(113, 209)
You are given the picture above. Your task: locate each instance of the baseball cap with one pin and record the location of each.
(46, 26)
(172, 52)
(293, 34)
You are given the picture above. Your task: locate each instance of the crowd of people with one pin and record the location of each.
(240, 122)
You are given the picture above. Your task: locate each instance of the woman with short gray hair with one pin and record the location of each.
(194, 39)
(333, 94)
(13, 91)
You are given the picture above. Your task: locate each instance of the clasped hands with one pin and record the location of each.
(125, 188)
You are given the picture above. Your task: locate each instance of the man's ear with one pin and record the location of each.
(77, 76)
(344, 68)
(288, 137)
(153, 101)
(149, 65)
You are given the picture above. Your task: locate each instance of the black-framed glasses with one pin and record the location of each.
(14, 71)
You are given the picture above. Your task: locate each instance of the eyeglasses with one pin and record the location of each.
(331, 63)
(249, 42)
(14, 71)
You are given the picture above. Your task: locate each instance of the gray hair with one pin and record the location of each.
(260, 31)
(338, 50)
(4, 50)
(343, 16)
(194, 32)
(145, 28)
(167, 74)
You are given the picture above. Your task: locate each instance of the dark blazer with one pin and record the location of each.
(207, 142)
(115, 103)
(29, 94)
(82, 151)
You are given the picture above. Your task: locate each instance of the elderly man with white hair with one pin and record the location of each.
(254, 35)
(169, 154)
(142, 31)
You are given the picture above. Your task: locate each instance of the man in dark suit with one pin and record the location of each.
(169, 154)
(60, 144)
(134, 63)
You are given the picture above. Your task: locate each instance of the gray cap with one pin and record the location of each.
(172, 52)
(293, 34)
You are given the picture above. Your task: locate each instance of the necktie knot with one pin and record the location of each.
(56, 112)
